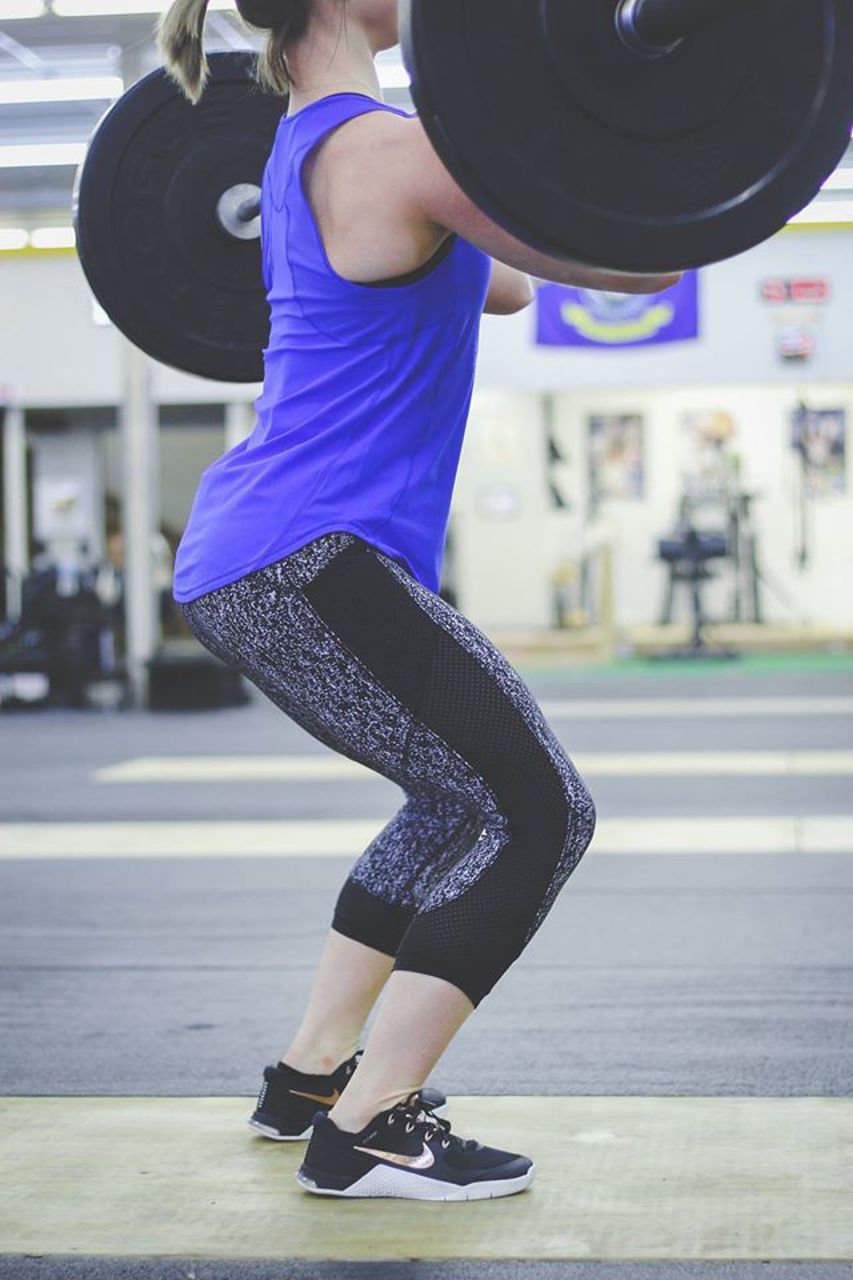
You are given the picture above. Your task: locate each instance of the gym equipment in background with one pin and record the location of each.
(688, 554)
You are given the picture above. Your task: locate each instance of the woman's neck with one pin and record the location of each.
(332, 58)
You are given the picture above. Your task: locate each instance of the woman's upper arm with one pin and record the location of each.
(435, 195)
(509, 290)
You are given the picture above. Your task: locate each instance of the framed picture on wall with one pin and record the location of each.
(820, 437)
(616, 456)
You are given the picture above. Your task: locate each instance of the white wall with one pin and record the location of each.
(53, 353)
(737, 329)
(508, 553)
(68, 491)
(770, 468)
(498, 512)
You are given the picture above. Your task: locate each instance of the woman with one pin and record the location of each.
(311, 563)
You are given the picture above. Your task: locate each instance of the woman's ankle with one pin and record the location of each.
(317, 1061)
(352, 1116)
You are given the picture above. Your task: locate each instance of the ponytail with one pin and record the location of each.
(179, 39)
(285, 20)
(272, 73)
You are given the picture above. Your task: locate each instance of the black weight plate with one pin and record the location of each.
(587, 151)
(154, 252)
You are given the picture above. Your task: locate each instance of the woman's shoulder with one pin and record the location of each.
(366, 158)
(370, 137)
(360, 185)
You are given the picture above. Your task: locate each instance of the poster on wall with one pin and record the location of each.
(568, 317)
(796, 311)
(820, 437)
(60, 509)
(713, 462)
(616, 457)
(709, 429)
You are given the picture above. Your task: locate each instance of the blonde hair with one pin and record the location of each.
(272, 72)
(180, 41)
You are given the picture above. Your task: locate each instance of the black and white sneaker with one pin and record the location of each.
(410, 1153)
(289, 1099)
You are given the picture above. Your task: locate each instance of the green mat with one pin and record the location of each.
(801, 663)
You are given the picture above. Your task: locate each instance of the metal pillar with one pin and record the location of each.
(15, 505)
(140, 505)
(140, 441)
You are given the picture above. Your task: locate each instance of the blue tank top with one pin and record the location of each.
(365, 398)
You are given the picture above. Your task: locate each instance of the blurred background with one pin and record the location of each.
(653, 520)
(641, 477)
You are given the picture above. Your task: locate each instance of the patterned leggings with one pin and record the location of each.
(368, 660)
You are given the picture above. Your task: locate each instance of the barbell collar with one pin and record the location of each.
(654, 28)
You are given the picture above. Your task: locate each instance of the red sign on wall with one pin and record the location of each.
(807, 289)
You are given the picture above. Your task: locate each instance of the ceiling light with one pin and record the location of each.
(79, 89)
(118, 8)
(36, 155)
(12, 238)
(22, 9)
(53, 238)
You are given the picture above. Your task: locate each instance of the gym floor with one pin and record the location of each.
(674, 1048)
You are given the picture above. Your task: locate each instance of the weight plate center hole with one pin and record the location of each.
(239, 211)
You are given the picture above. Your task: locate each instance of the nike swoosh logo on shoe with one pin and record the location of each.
(424, 1160)
(315, 1097)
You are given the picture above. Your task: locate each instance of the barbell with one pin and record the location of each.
(636, 135)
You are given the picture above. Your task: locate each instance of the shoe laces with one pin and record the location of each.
(414, 1115)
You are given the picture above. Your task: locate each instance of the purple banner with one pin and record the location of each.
(568, 317)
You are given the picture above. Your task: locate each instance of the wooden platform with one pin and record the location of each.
(662, 1178)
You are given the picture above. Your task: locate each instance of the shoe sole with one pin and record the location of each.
(267, 1131)
(385, 1181)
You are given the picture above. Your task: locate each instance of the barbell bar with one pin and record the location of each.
(653, 28)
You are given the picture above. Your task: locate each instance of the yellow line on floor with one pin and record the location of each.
(618, 1178)
(348, 838)
(629, 764)
(314, 768)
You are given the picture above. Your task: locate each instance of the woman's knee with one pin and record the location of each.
(583, 813)
(580, 817)
(570, 830)
(557, 803)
